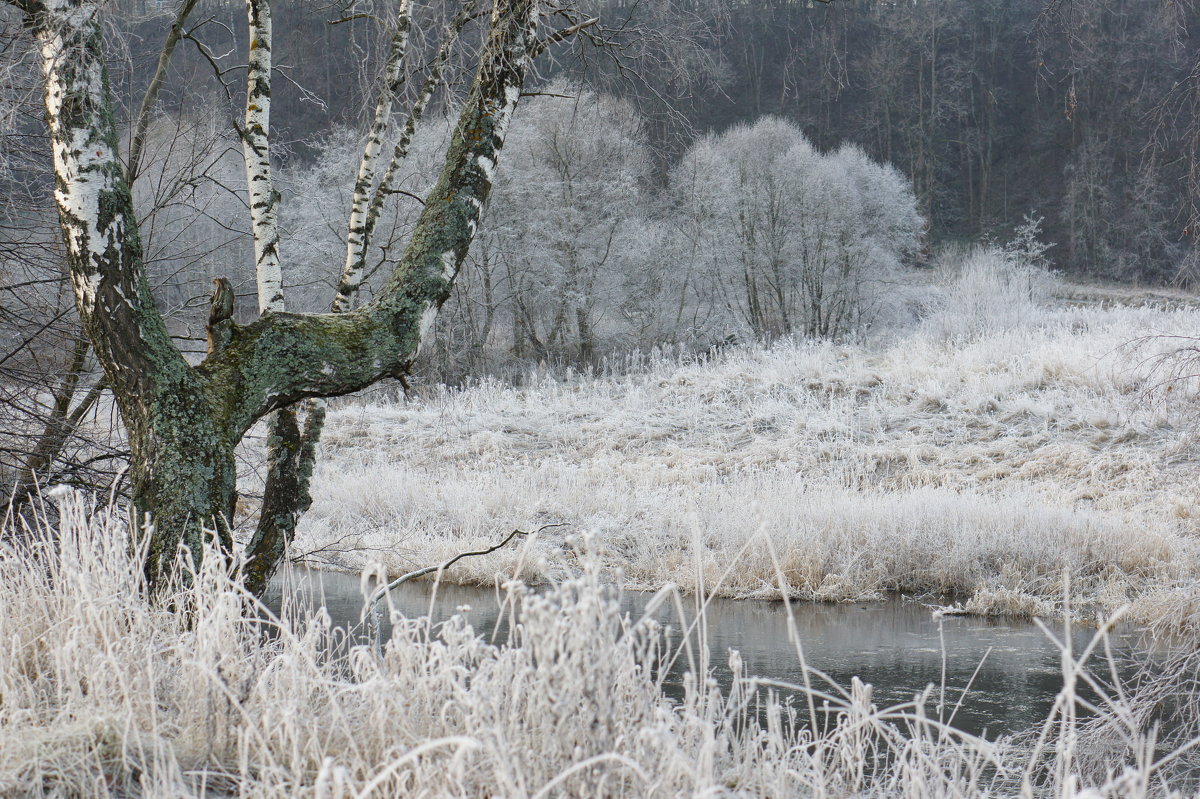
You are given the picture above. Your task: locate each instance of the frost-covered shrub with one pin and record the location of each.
(565, 261)
(993, 289)
(1027, 245)
(565, 228)
(781, 239)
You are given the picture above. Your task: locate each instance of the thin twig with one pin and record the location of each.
(380, 592)
(352, 17)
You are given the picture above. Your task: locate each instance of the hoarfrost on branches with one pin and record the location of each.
(782, 239)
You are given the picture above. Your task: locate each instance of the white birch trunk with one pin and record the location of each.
(86, 168)
(291, 450)
(358, 236)
(256, 148)
(368, 204)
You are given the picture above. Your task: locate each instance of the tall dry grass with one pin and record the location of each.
(988, 462)
(105, 694)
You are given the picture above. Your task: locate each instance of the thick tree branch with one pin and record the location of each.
(104, 252)
(292, 456)
(282, 358)
(172, 431)
(563, 34)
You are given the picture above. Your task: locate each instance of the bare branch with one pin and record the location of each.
(382, 591)
(565, 33)
(142, 121)
(217, 69)
(352, 17)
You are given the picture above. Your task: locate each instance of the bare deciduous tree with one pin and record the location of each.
(787, 240)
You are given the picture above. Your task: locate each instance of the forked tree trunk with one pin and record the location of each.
(185, 421)
(291, 449)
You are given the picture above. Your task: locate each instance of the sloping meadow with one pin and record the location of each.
(1001, 463)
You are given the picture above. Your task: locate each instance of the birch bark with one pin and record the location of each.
(256, 149)
(291, 450)
(181, 460)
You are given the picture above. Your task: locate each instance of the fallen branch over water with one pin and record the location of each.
(380, 592)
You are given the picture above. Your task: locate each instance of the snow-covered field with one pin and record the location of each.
(992, 459)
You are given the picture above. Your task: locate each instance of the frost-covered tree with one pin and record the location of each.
(571, 198)
(183, 421)
(779, 238)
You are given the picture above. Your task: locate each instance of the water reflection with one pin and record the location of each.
(1013, 670)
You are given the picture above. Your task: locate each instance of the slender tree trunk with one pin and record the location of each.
(587, 342)
(59, 427)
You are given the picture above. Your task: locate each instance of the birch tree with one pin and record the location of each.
(184, 420)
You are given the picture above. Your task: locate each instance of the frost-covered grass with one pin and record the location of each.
(103, 694)
(985, 459)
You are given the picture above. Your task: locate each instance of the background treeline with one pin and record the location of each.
(993, 108)
(752, 235)
(1081, 112)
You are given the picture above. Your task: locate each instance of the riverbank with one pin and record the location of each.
(105, 694)
(1008, 465)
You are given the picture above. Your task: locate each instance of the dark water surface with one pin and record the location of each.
(898, 646)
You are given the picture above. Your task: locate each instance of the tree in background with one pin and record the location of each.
(757, 236)
(783, 239)
(572, 197)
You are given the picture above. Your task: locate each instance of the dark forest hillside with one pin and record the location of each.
(993, 108)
